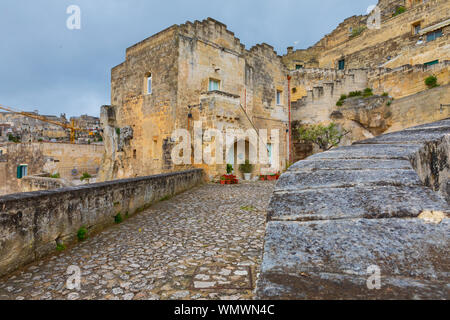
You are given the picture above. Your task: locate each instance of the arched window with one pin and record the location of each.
(149, 83)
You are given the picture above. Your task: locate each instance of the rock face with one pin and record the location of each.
(338, 216)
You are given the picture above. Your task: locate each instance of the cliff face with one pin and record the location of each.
(363, 118)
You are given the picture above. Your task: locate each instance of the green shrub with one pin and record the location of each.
(357, 31)
(118, 131)
(355, 94)
(82, 234)
(343, 97)
(60, 246)
(389, 103)
(85, 176)
(385, 94)
(229, 169)
(326, 137)
(431, 82)
(118, 218)
(368, 92)
(247, 167)
(165, 198)
(14, 139)
(55, 176)
(399, 10)
(339, 103)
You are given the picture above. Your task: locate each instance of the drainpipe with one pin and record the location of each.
(290, 126)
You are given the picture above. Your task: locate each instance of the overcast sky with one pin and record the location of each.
(46, 66)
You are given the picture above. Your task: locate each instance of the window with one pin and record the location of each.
(416, 28)
(434, 35)
(298, 66)
(341, 64)
(149, 84)
(214, 85)
(269, 153)
(427, 64)
(279, 93)
(22, 171)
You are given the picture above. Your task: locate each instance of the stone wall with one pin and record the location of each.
(31, 224)
(420, 108)
(407, 80)
(432, 163)
(182, 60)
(393, 45)
(44, 157)
(42, 182)
(323, 88)
(337, 217)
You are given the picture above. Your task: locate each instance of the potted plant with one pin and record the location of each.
(272, 177)
(246, 168)
(223, 179)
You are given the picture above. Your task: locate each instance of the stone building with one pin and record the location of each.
(192, 72)
(201, 72)
(90, 125)
(31, 130)
(36, 161)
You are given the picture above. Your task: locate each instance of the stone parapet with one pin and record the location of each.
(31, 224)
(337, 214)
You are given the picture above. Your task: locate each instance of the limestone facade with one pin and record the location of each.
(70, 161)
(199, 72)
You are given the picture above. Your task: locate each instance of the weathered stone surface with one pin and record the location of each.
(371, 202)
(329, 259)
(432, 163)
(31, 224)
(337, 213)
(366, 151)
(202, 235)
(409, 137)
(354, 164)
(347, 178)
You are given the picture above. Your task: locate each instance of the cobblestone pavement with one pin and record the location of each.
(203, 244)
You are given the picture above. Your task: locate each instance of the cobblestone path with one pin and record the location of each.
(203, 244)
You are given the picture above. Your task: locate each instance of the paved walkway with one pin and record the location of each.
(203, 244)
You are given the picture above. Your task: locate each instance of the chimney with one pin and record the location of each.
(290, 50)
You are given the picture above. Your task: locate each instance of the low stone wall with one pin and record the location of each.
(36, 183)
(337, 218)
(31, 224)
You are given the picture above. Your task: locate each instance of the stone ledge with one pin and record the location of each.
(329, 259)
(339, 212)
(370, 202)
(91, 187)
